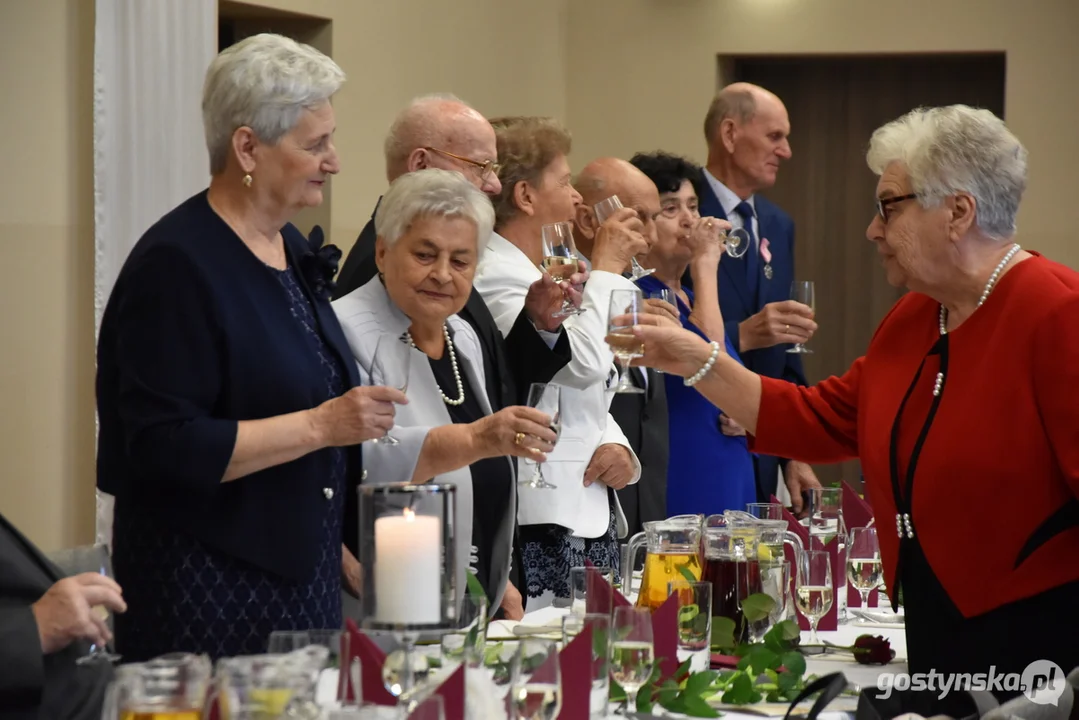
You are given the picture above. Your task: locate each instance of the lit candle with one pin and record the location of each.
(408, 569)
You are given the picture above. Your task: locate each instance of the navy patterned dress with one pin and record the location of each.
(192, 598)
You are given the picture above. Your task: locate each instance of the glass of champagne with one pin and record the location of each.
(88, 559)
(814, 588)
(535, 680)
(547, 398)
(802, 291)
(622, 315)
(389, 368)
(632, 651)
(560, 260)
(604, 209)
(864, 569)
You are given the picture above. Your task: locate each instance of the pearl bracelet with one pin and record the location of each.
(691, 381)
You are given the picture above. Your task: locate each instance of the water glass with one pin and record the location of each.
(583, 578)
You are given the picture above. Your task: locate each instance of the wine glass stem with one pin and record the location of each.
(813, 639)
(865, 597)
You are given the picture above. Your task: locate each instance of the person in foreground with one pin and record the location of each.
(962, 411)
(46, 624)
(432, 227)
(230, 410)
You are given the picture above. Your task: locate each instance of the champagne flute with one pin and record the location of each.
(622, 315)
(535, 680)
(92, 559)
(389, 368)
(632, 651)
(604, 209)
(814, 588)
(560, 260)
(802, 291)
(547, 398)
(864, 569)
(735, 243)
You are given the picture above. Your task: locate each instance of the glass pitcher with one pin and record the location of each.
(265, 687)
(171, 687)
(670, 546)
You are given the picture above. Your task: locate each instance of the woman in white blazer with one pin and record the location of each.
(580, 519)
(431, 226)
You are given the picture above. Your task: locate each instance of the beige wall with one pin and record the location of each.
(626, 75)
(642, 77)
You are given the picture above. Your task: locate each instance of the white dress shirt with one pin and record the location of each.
(729, 201)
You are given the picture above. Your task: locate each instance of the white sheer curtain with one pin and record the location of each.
(150, 58)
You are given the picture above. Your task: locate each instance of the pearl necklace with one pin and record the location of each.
(453, 363)
(985, 294)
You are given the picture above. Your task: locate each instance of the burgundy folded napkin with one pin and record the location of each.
(598, 592)
(452, 692)
(665, 637)
(575, 665)
(371, 660)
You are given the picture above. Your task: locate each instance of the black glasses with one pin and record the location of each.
(486, 168)
(883, 204)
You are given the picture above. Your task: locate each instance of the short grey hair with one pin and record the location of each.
(414, 127)
(729, 103)
(263, 82)
(957, 148)
(433, 193)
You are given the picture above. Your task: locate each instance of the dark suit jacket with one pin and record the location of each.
(33, 685)
(737, 305)
(197, 336)
(643, 419)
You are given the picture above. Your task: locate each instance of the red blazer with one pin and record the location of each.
(1001, 455)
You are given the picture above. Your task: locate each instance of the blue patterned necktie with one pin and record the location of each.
(752, 256)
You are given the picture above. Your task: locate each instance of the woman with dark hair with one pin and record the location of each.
(710, 468)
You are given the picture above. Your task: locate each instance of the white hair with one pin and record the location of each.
(263, 82)
(433, 193)
(414, 127)
(947, 150)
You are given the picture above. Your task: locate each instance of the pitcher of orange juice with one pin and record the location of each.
(673, 548)
(171, 687)
(266, 687)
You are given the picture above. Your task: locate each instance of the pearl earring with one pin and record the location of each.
(247, 180)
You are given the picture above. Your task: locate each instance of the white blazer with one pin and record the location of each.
(503, 278)
(365, 315)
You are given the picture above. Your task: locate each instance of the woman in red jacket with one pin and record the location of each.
(963, 412)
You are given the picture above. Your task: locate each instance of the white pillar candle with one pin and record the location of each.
(408, 569)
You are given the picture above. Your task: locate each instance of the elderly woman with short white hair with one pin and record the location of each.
(963, 411)
(432, 226)
(231, 414)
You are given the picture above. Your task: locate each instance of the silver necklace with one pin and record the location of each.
(985, 294)
(453, 363)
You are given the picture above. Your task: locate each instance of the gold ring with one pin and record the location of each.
(788, 328)
(519, 439)
(709, 225)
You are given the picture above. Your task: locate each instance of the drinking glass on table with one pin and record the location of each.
(580, 580)
(389, 368)
(623, 314)
(694, 617)
(814, 588)
(802, 291)
(599, 624)
(864, 569)
(535, 680)
(89, 559)
(560, 260)
(604, 209)
(466, 644)
(632, 650)
(765, 511)
(547, 398)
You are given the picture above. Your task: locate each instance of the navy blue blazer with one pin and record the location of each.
(737, 305)
(197, 336)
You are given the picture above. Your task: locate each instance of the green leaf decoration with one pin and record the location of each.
(761, 659)
(696, 706)
(475, 589)
(699, 683)
(617, 693)
(794, 663)
(788, 681)
(757, 607)
(688, 574)
(723, 633)
(740, 691)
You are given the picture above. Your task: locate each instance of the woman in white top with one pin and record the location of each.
(432, 226)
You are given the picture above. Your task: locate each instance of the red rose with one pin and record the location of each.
(870, 650)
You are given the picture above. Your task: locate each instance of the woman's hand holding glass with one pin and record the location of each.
(668, 346)
(362, 413)
(520, 431)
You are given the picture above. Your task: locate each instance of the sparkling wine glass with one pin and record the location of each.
(547, 398)
(88, 559)
(814, 588)
(560, 260)
(802, 291)
(864, 569)
(632, 651)
(622, 315)
(535, 680)
(604, 209)
(389, 368)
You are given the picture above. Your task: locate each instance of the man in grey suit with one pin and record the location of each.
(46, 623)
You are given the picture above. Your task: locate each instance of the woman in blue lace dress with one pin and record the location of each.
(230, 410)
